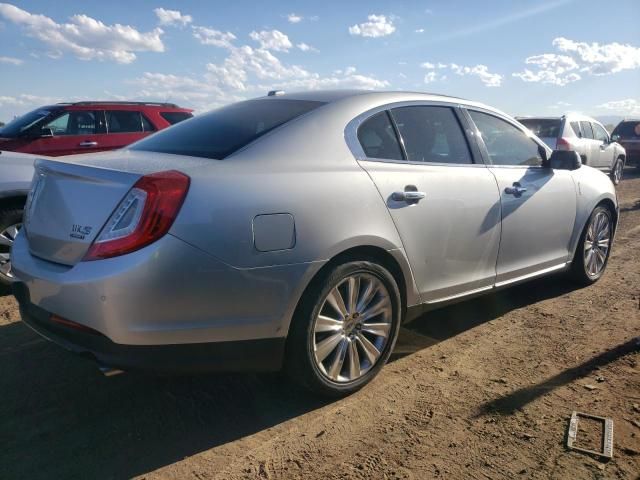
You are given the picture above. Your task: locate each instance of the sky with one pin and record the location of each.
(524, 57)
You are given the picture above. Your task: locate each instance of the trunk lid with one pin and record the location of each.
(68, 205)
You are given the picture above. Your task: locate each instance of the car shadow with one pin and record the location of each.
(59, 418)
(514, 401)
(4, 290)
(446, 322)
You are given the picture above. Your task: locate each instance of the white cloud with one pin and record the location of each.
(172, 17)
(272, 40)
(430, 77)
(210, 36)
(480, 71)
(600, 59)
(629, 106)
(11, 60)
(306, 48)
(377, 26)
(26, 100)
(294, 18)
(551, 69)
(419, 30)
(578, 59)
(85, 37)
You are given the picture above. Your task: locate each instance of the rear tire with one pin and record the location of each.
(337, 345)
(594, 247)
(616, 171)
(10, 223)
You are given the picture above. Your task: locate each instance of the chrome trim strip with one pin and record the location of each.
(533, 274)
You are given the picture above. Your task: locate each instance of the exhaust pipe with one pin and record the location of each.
(109, 371)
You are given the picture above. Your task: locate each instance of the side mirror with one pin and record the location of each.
(564, 160)
(45, 133)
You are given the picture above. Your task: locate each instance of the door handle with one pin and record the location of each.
(410, 195)
(516, 190)
(88, 143)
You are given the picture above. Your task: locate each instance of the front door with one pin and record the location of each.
(74, 131)
(446, 207)
(538, 203)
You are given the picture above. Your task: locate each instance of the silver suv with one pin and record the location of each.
(581, 134)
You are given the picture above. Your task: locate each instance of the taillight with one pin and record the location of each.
(563, 144)
(144, 215)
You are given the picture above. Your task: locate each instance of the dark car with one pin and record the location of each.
(627, 134)
(83, 127)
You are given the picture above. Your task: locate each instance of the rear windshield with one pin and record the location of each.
(627, 129)
(219, 133)
(543, 127)
(175, 117)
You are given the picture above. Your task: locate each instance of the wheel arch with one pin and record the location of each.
(13, 199)
(393, 260)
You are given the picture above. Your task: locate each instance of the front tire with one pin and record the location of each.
(616, 171)
(344, 329)
(10, 223)
(594, 247)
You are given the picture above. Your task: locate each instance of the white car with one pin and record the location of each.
(584, 135)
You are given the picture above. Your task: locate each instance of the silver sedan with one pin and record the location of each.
(299, 231)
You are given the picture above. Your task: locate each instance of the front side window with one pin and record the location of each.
(378, 138)
(599, 133)
(587, 132)
(431, 134)
(82, 122)
(506, 144)
(220, 133)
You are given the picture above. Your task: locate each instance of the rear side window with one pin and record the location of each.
(378, 138)
(127, 121)
(431, 134)
(506, 144)
(175, 117)
(599, 133)
(627, 130)
(543, 127)
(82, 122)
(575, 126)
(587, 132)
(220, 133)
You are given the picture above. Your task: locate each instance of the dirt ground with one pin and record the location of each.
(483, 389)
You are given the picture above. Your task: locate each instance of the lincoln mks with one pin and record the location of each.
(298, 231)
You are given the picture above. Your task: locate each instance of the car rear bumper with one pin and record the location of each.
(250, 355)
(167, 293)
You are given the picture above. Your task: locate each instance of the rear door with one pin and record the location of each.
(74, 131)
(538, 203)
(125, 127)
(445, 206)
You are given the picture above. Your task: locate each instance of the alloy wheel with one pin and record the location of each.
(597, 243)
(617, 173)
(352, 328)
(7, 237)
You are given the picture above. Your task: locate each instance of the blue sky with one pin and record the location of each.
(525, 57)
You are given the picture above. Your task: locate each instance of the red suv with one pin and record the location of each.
(82, 127)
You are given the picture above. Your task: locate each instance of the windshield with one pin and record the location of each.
(543, 127)
(19, 125)
(219, 133)
(627, 130)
